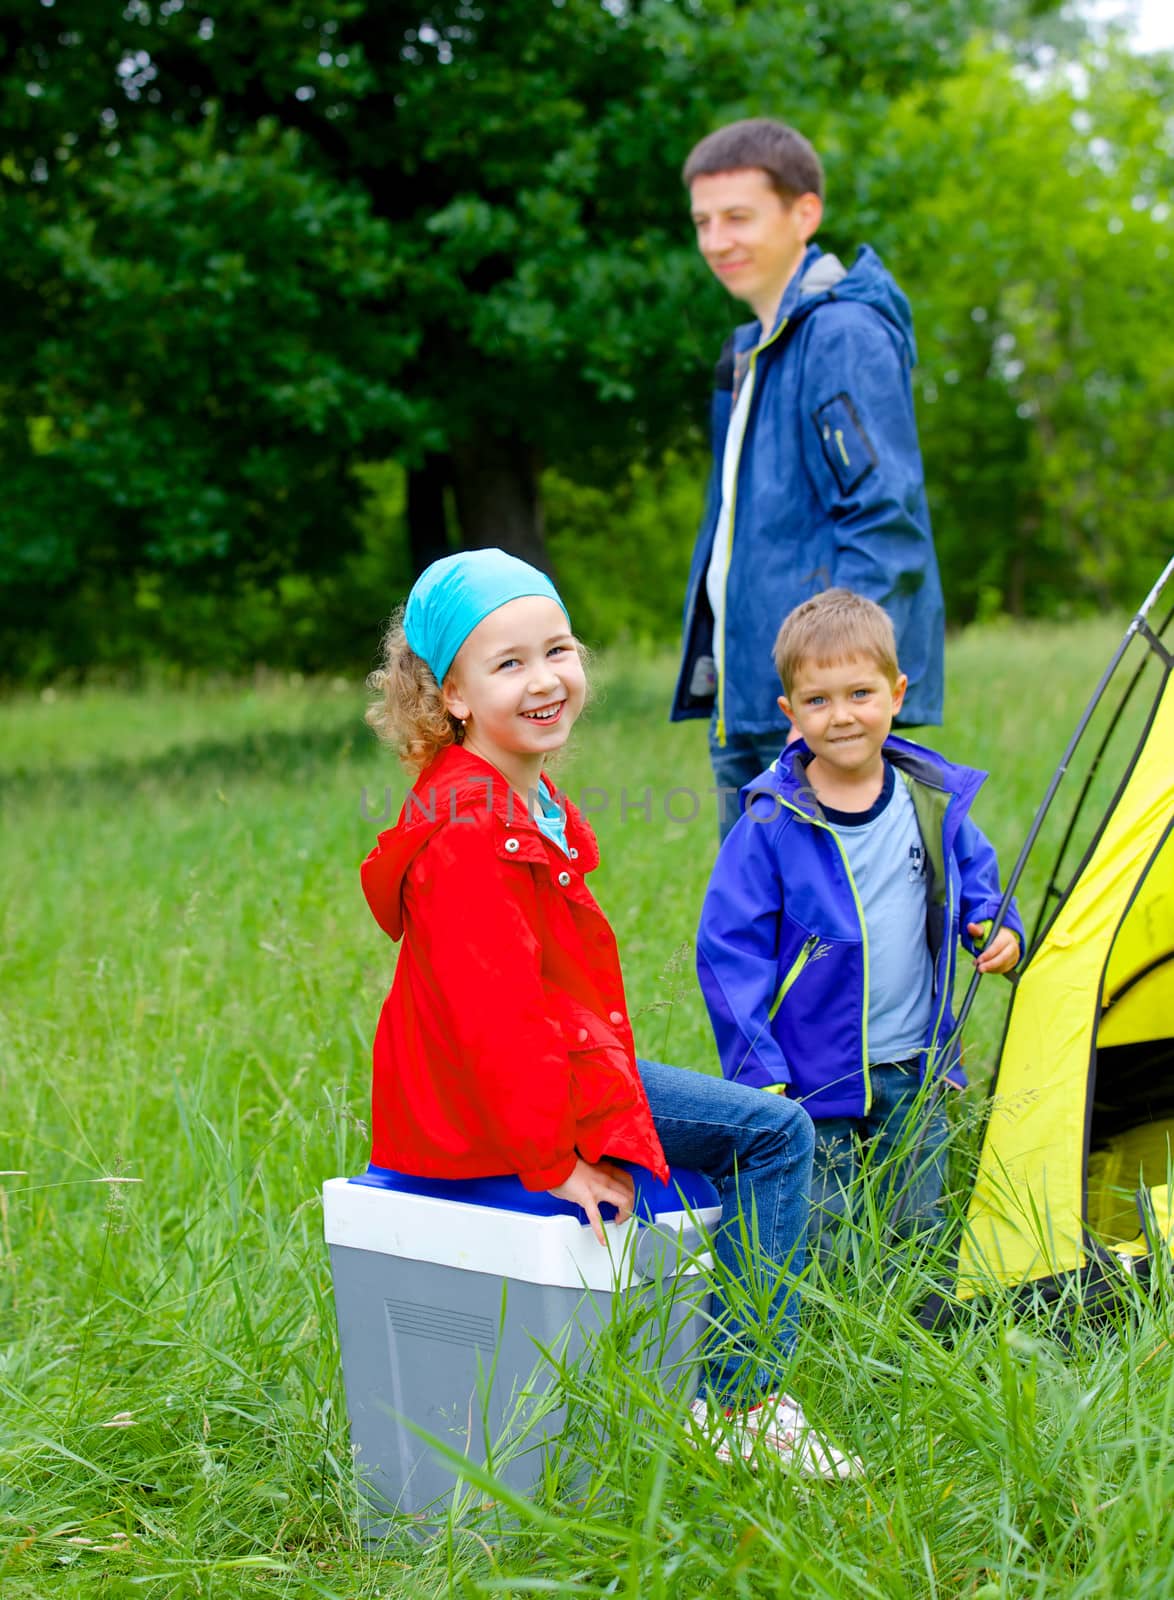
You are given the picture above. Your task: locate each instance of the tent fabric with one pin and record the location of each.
(1139, 982)
(1110, 945)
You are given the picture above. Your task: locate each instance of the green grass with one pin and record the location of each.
(189, 981)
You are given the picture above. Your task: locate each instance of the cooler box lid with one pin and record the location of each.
(495, 1226)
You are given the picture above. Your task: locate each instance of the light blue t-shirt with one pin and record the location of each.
(550, 817)
(887, 857)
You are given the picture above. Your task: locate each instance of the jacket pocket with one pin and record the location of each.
(846, 446)
(604, 1079)
(806, 950)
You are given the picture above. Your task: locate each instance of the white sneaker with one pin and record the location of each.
(777, 1428)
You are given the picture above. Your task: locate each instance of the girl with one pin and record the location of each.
(504, 1045)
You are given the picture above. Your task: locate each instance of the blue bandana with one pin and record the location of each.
(453, 595)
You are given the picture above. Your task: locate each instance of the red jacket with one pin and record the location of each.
(504, 1045)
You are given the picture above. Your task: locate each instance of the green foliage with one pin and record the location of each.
(622, 553)
(248, 247)
(1030, 216)
(215, 360)
(245, 250)
(156, 622)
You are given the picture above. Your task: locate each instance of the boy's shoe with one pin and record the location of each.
(774, 1429)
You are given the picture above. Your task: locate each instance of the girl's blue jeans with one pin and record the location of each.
(756, 1149)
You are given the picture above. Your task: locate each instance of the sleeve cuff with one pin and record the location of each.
(548, 1177)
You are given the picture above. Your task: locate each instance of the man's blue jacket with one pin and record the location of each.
(782, 950)
(829, 491)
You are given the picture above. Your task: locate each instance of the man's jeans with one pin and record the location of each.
(903, 1142)
(735, 764)
(755, 1148)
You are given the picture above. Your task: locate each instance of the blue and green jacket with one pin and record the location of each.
(782, 950)
(830, 491)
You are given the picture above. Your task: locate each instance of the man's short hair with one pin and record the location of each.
(831, 627)
(786, 157)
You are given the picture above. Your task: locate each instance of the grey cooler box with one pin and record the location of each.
(447, 1293)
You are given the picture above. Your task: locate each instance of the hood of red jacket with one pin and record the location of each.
(383, 871)
(457, 780)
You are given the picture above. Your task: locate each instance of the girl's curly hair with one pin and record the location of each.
(410, 714)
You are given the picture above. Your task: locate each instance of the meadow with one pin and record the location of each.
(189, 981)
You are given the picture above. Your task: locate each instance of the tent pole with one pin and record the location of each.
(938, 1088)
(1050, 794)
(1114, 723)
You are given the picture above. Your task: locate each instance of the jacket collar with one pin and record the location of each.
(813, 281)
(786, 777)
(820, 277)
(460, 784)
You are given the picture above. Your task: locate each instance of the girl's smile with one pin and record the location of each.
(517, 684)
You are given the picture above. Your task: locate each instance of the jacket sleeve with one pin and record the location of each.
(737, 952)
(861, 451)
(480, 914)
(981, 889)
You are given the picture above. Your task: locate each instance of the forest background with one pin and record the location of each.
(299, 296)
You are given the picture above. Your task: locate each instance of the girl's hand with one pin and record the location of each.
(589, 1185)
(1001, 954)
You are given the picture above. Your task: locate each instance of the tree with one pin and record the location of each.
(212, 363)
(270, 241)
(1034, 240)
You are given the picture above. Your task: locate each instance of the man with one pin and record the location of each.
(817, 479)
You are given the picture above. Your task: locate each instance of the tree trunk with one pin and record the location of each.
(1016, 596)
(427, 518)
(498, 497)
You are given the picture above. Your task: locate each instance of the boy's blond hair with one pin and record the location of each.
(830, 627)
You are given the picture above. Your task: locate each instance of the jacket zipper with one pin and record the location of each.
(721, 639)
(816, 823)
(793, 972)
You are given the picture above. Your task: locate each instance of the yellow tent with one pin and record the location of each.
(1075, 1163)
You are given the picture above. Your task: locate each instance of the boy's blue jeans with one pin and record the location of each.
(903, 1141)
(755, 1148)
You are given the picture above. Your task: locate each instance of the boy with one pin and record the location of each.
(830, 926)
(817, 477)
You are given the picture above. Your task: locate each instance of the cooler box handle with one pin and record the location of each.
(658, 1251)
